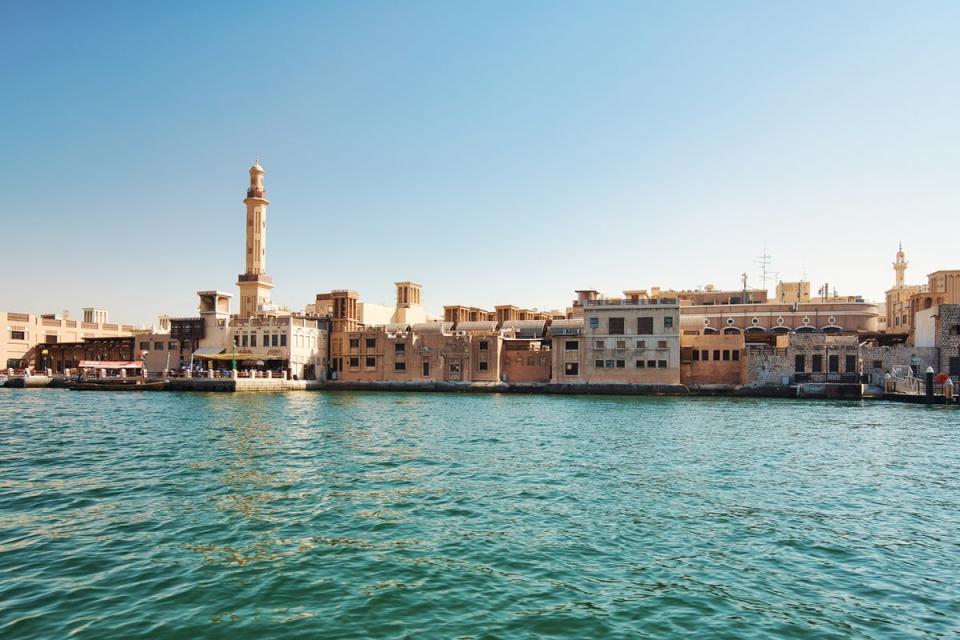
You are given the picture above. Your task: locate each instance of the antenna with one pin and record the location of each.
(763, 261)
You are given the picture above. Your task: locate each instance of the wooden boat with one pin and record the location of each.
(116, 385)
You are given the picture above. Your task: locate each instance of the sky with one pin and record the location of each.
(496, 152)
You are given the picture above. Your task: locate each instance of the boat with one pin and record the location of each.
(127, 375)
(115, 385)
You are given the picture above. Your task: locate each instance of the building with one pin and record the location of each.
(712, 359)
(709, 295)
(775, 317)
(158, 351)
(24, 332)
(254, 283)
(790, 292)
(630, 340)
(568, 350)
(897, 298)
(65, 357)
(408, 308)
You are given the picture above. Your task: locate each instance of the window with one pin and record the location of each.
(172, 346)
(661, 344)
(570, 345)
(51, 339)
(571, 369)
(400, 347)
(834, 363)
(610, 364)
(621, 344)
(399, 366)
(716, 354)
(661, 364)
(594, 323)
(371, 362)
(644, 326)
(817, 365)
(704, 355)
(243, 340)
(615, 326)
(158, 346)
(726, 354)
(696, 354)
(18, 335)
(253, 339)
(954, 366)
(275, 341)
(850, 364)
(354, 343)
(599, 344)
(483, 345)
(621, 364)
(482, 366)
(641, 344)
(371, 343)
(283, 339)
(878, 364)
(641, 364)
(354, 362)
(598, 364)
(736, 354)
(426, 368)
(651, 364)
(144, 346)
(668, 322)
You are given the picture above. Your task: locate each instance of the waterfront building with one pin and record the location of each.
(65, 357)
(630, 340)
(158, 351)
(712, 359)
(775, 317)
(568, 351)
(25, 333)
(254, 283)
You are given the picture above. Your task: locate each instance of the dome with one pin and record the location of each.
(256, 168)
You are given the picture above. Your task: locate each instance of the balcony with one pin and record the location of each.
(256, 193)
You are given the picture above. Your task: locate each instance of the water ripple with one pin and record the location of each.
(450, 516)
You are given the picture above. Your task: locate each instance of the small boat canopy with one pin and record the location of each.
(111, 364)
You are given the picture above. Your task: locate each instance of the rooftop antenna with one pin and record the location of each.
(763, 261)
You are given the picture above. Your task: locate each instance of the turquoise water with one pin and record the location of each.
(477, 516)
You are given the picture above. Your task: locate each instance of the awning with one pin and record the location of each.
(227, 357)
(208, 351)
(110, 364)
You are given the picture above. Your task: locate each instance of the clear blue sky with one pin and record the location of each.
(496, 152)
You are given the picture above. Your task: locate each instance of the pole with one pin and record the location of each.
(929, 385)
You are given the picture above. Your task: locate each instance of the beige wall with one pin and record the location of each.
(712, 359)
(635, 356)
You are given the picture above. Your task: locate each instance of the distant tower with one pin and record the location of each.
(255, 284)
(900, 266)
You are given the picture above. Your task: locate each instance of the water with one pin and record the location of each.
(353, 515)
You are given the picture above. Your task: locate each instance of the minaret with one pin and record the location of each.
(255, 284)
(900, 266)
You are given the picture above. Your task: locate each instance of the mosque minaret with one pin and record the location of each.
(255, 284)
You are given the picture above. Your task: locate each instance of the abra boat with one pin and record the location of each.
(107, 384)
(109, 375)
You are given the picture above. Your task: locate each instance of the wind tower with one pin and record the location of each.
(900, 266)
(255, 284)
